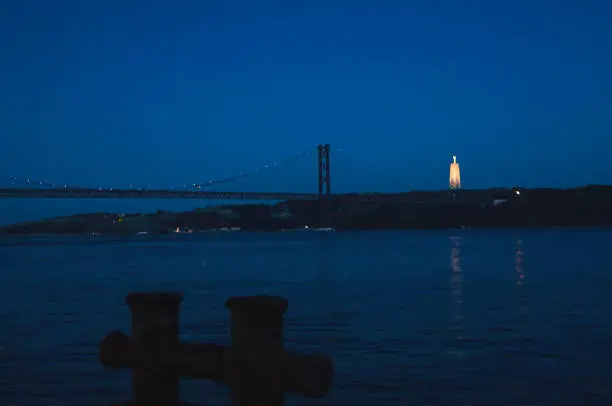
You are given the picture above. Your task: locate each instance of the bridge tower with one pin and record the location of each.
(324, 168)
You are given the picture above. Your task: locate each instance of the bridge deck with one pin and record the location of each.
(70, 193)
(435, 197)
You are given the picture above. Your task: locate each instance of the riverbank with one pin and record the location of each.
(493, 208)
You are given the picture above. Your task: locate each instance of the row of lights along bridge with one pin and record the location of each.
(324, 176)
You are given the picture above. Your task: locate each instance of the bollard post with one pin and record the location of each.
(256, 367)
(155, 329)
(257, 350)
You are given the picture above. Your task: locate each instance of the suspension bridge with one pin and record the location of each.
(32, 188)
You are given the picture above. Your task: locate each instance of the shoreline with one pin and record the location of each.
(195, 234)
(439, 210)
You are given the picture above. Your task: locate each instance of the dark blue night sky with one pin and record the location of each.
(167, 92)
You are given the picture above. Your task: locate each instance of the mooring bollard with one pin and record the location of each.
(154, 331)
(257, 344)
(256, 367)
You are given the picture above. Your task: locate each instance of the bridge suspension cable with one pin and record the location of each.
(242, 175)
(17, 181)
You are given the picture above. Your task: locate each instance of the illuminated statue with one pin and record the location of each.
(454, 181)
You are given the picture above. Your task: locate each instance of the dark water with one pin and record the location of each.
(418, 318)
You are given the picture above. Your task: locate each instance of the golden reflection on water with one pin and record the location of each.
(456, 286)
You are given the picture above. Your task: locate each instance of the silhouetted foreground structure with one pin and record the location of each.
(256, 367)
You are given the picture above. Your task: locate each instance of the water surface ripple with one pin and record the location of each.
(410, 318)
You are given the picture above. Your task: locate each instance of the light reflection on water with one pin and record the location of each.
(457, 288)
(421, 318)
(521, 293)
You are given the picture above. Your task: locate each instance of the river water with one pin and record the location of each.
(409, 318)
